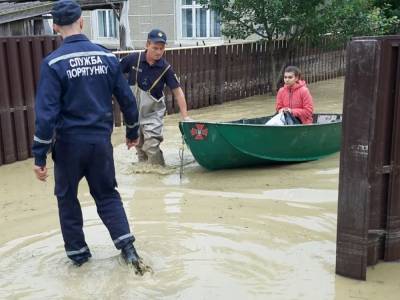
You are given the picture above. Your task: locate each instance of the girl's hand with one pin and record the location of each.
(285, 109)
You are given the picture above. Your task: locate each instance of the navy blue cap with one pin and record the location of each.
(157, 36)
(66, 12)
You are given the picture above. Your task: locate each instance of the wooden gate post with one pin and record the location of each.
(368, 227)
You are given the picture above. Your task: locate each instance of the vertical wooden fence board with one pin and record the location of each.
(201, 80)
(213, 75)
(236, 76)
(230, 73)
(207, 75)
(353, 206)
(247, 58)
(17, 102)
(169, 101)
(38, 54)
(392, 244)
(189, 78)
(177, 67)
(369, 185)
(9, 153)
(183, 70)
(28, 87)
(221, 69)
(195, 72)
(379, 156)
(258, 79)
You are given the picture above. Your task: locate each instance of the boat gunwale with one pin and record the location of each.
(272, 126)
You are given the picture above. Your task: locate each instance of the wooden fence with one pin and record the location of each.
(208, 75)
(20, 60)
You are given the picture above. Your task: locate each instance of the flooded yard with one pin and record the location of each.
(252, 233)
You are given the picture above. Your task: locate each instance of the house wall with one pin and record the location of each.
(145, 15)
(87, 24)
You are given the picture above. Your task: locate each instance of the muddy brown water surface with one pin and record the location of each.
(252, 233)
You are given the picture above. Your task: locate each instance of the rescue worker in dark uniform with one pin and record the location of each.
(148, 73)
(74, 106)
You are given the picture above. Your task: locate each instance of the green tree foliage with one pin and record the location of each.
(390, 8)
(361, 17)
(297, 20)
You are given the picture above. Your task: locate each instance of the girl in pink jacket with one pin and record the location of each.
(295, 97)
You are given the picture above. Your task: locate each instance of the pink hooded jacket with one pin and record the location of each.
(298, 99)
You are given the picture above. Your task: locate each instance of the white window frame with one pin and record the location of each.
(95, 29)
(193, 6)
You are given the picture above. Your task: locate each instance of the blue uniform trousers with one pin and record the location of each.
(74, 160)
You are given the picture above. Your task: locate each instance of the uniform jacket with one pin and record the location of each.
(298, 99)
(74, 96)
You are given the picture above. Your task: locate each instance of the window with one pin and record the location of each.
(105, 24)
(197, 22)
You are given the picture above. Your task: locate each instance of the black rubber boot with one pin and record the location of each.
(131, 257)
(80, 260)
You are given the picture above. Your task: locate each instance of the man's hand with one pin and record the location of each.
(40, 172)
(132, 143)
(188, 119)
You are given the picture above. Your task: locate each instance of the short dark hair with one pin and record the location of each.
(293, 69)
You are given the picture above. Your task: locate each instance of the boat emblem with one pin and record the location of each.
(199, 132)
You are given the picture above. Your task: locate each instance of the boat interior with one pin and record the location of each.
(317, 119)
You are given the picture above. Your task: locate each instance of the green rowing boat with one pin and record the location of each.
(249, 142)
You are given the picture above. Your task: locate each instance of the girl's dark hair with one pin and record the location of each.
(295, 70)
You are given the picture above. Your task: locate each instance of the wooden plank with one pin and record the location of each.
(201, 78)
(37, 56)
(258, 78)
(314, 63)
(182, 70)
(28, 80)
(392, 242)
(189, 78)
(267, 69)
(354, 197)
(213, 75)
(234, 73)
(177, 67)
(254, 67)
(8, 149)
(47, 45)
(195, 70)
(207, 76)
(229, 73)
(242, 70)
(17, 102)
(169, 100)
(220, 60)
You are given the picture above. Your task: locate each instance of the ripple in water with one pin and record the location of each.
(189, 260)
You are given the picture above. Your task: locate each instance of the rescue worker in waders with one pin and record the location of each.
(148, 73)
(74, 107)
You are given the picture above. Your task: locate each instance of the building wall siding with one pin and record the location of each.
(144, 15)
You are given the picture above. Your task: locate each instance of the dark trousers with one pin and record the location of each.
(94, 161)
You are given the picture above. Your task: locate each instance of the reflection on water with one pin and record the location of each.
(303, 195)
(251, 233)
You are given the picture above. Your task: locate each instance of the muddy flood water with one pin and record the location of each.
(256, 233)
